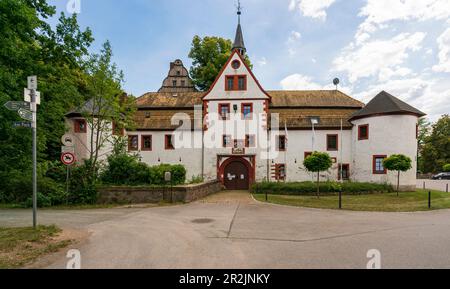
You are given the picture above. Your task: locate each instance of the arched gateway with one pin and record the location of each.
(236, 173)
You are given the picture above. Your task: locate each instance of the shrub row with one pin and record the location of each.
(124, 169)
(310, 188)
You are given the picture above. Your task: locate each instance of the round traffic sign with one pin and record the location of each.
(68, 140)
(68, 158)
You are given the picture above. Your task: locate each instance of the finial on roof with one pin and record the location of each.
(239, 39)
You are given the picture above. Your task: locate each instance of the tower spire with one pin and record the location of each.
(239, 39)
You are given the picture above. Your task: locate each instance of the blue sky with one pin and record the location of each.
(401, 46)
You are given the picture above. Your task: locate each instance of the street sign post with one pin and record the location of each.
(27, 96)
(68, 149)
(68, 139)
(32, 85)
(16, 105)
(25, 124)
(26, 114)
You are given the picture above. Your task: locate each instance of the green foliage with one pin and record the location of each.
(196, 180)
(83, 187)
(318, 162)
(29, 46)
(446, 168)
(309, 188)
(435, 152)
(398, 163)
(209, 55)
(125, 169)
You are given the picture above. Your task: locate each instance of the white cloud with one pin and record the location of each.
(294, 36)
(312, 8)
(430, 96)
(293, 42)
(302, 82)
(376, 56)
(388, 73)
(444, 52)
(262, 61)
(380, 12)
(299, 82)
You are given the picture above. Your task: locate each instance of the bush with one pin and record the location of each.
(19, 190)
(446, 168)
(82, 186)
(124, 169)
(309, 188)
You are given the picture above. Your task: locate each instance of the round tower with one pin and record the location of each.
(385, 126)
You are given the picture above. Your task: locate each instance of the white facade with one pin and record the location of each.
(236, 144)
(388, 135)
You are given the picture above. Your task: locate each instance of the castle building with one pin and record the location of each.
(239, 133)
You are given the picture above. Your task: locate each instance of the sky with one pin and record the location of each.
(400, 46)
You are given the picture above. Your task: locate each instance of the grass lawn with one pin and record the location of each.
(406, 202)
(21, 246)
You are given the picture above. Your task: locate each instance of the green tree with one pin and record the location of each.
(436, 149)
(318, 162)
(446, 168)
(29, 46)
(107, 104)
(399, 163)
(209, 55)
(424, 129)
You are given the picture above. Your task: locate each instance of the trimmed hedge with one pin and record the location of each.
(310, 188)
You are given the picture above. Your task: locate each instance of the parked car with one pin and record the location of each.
(441, 176)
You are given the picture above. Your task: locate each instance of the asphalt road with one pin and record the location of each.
(230, 230)
(439, 185)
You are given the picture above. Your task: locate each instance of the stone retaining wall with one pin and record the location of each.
(142, 194)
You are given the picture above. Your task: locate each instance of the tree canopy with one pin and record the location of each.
(60, 58)
(209, 55)
(318, 162)
(435, 152)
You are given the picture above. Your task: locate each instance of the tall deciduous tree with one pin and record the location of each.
(107, 104)
(398, 163)
(209, 55)
(316, 163)
(436, 149)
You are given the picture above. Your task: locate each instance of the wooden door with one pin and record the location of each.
(236, 176)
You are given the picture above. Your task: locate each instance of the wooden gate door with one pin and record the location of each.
(236, 176)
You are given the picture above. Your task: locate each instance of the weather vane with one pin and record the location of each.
(239, 10)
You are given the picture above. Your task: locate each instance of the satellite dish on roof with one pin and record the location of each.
(336, 82)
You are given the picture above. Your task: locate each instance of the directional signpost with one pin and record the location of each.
(25, 114)
(16, 105)
(25, 124)
(27, 110)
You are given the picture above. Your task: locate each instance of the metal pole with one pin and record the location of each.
(313, 137)
(34, 128)
(424, 185)
(340, 199)
(429, 199)
(446, 190)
